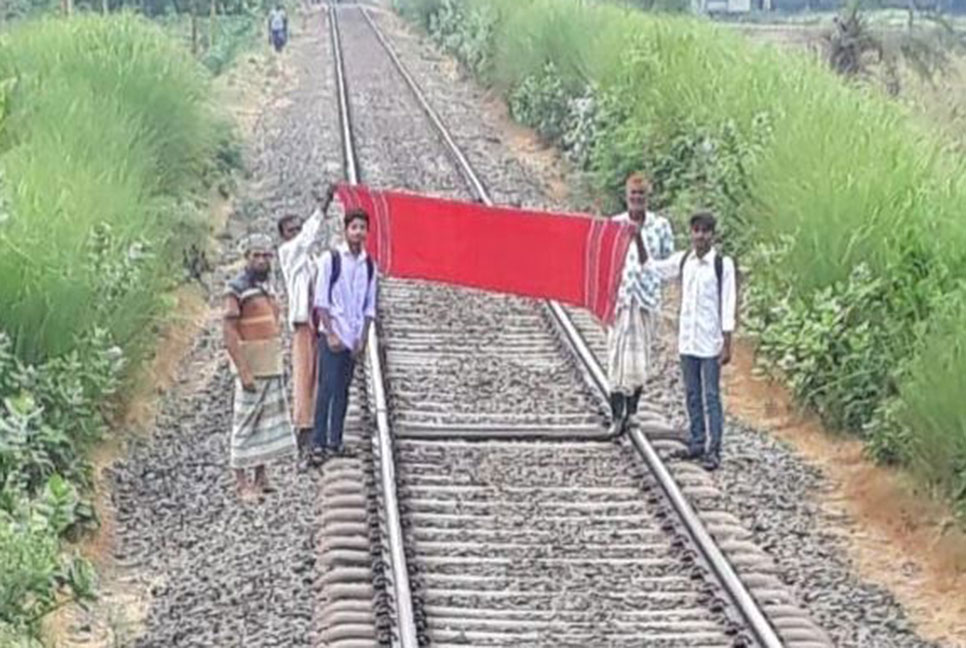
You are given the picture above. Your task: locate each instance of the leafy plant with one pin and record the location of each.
(35, 579)
(107, 148)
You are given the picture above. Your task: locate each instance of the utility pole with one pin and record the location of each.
(193, 8)
(211, 24)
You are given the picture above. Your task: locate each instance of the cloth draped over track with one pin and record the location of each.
(571, 258)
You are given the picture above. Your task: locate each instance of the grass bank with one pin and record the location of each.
(842, 209)
(108, 148)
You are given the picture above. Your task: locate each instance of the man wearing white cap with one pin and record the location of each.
(261, 426)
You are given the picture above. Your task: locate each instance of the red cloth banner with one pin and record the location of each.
(571, 258)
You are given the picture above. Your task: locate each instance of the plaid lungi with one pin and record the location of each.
(629, 348)
(261, 427)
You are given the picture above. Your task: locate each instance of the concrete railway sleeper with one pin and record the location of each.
(461, 525)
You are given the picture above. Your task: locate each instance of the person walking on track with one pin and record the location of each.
(345, 298)
(706, 324)
(298, 269)
(261, 427)
(277, 27)
(629, 340)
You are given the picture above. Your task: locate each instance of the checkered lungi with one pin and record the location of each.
(629, 348)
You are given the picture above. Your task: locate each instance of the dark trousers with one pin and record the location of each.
(278, 39)
(702, 377)
(335, 374)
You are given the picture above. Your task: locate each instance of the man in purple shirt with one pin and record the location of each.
(345, 299)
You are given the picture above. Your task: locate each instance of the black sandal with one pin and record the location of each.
(318, 456)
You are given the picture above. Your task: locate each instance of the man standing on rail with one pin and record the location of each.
(345, 298)
(277, 27)
(629, 341)
(261, 428)
(707, 321)
(298, 269)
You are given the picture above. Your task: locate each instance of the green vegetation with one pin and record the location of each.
(108, 146)
(217, 47)
(844, 212)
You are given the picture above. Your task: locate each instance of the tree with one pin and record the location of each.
(857, 50)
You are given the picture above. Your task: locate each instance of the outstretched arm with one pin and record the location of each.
(669, 268)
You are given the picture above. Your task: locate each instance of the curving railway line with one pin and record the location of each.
(486, 505)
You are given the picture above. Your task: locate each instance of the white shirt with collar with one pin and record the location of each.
(353, 295)
(298, 269)
(703, 321)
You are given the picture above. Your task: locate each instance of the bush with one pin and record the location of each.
(107, 148)
(843, 210)
(35, 578)
(930, 402)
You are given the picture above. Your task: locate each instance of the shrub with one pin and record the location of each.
(107, 148)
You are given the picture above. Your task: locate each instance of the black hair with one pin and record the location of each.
(283, 221)
(355, 213)
(703, 220)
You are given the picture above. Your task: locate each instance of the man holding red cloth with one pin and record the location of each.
(629, 339)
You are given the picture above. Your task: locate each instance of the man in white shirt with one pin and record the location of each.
(707, 321)
(298, 270)
(629, 339)
(277, 27)
(345, 299)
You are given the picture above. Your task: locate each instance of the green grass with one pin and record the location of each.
(107, 124)
(233, 34)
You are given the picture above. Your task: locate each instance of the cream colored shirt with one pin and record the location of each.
(298, 269)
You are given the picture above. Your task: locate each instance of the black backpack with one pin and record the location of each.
(718, 273)
(337, 269)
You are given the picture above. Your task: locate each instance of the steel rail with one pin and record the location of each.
(740, 597)
(405, 618)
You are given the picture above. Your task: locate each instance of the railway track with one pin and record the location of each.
(490, 508)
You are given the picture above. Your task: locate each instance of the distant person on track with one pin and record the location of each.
(277, 27)
(707, 321)
(345, 299)
(298, 269)
(261, 428)
(629, 340)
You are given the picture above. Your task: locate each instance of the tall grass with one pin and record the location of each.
(845, 210)
(107, 125)
(107, 143)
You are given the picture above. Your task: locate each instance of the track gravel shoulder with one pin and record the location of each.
(213, 571)
(762, 482)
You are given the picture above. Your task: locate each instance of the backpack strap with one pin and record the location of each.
(337, 269)
(718, 273)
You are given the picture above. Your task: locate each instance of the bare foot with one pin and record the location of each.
(261, 484)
